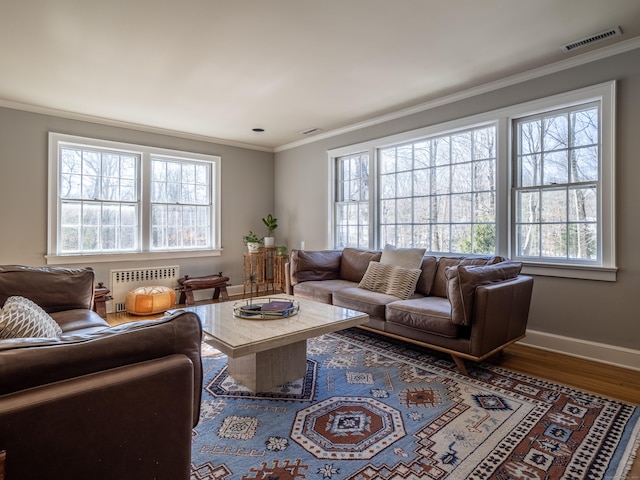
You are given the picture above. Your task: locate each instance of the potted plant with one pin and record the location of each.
(252, 241)
(271, 223)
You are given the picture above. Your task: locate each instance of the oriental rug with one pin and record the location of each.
(371, 408)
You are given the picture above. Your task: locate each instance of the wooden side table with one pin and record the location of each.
(100, 297)
(278, 271)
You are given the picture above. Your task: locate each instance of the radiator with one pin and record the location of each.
(122, 281)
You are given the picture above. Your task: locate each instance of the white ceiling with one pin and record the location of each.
(218, 68)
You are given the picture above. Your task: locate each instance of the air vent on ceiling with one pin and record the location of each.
(310, 131)
(613, 32)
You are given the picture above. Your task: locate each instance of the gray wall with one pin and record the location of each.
(247, 191)
(602, 312)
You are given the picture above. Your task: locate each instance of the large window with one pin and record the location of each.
(439, 193)
(532, 182)
(109, 198)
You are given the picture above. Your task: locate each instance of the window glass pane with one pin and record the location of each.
(583, 240)
(554, 240)
(583, 204)
(528, 240)
(555, 169)
(585, 127)
(554, 206)
(556, 133)
(584, 164)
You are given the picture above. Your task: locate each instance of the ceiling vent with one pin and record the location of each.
(311, 131)
(613, 32)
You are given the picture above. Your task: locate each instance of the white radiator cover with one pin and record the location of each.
(124, 280)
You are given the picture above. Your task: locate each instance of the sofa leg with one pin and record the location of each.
(460, 364)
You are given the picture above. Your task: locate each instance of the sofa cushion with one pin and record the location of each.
(402, 257)
(440, 282)
(355, 262)
(317, 265)
(390, 279)
(321, 290)
(371, 303)
(21, 318)
(429, 314)
(425, 282)
(463, 280)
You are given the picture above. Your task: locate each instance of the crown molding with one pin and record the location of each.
(128, 125)
(559, 66)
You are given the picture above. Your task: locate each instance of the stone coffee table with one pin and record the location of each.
(265, 353)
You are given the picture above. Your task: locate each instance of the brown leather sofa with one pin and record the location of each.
(470, 307)
(98, 402)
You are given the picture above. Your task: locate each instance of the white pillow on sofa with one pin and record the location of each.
(21, 318)
(402, 257)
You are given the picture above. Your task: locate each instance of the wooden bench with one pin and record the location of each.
(188, 285)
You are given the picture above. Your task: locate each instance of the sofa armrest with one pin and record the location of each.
(127, 422)
(500, 314)
(29, 363)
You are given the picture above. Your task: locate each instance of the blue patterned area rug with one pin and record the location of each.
(370, 408)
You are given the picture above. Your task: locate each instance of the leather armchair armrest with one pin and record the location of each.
(132, 421)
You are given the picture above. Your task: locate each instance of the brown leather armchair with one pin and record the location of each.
(99, 402)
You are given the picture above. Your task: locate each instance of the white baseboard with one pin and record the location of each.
(598, 352)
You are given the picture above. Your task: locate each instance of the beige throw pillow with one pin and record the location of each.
(390, 279)
(21, 318)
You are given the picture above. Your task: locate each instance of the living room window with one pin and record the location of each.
(133, 201)
(352, 201)
(440, 192)
(557, 185)
(533, 182)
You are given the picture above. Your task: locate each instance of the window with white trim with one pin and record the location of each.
(352, 201)
(111, 198)
(557, 185)
(440, 192)
(533, 182)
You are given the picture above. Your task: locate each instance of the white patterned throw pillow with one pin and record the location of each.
(21, 318)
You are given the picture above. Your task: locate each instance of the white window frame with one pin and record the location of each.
(605, 93)
(54, 257)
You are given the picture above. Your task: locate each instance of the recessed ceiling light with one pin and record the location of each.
(258, 130)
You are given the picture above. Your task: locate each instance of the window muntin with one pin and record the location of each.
(440, 192)
(557, 192)
(352, 215)
(104, 204)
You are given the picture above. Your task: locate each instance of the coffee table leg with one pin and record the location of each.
(265, 370)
